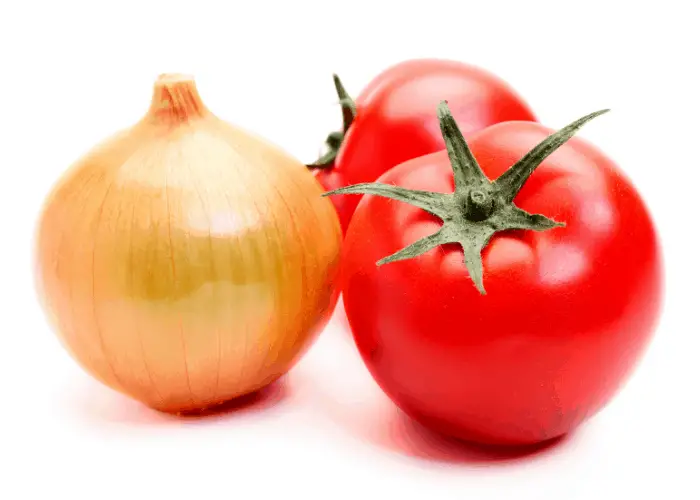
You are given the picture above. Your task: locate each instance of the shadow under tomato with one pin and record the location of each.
(406, 436)
(351, 400)
(103, 406)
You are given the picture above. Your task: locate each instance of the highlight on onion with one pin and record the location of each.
(184, 261)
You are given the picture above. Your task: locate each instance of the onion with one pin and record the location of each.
(184, 261)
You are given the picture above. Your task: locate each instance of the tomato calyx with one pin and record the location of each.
(478, 208)
(335, 139)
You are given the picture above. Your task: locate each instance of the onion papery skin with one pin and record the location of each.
(184, 261)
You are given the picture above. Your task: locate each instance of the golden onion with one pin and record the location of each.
(185, 262)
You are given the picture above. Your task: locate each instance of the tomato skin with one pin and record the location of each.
(567, 313)
(396, 119)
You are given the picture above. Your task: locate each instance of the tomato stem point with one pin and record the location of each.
(478, 208)
(478, 205)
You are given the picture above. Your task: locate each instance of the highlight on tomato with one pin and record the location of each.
(393, 120)
(502, 291)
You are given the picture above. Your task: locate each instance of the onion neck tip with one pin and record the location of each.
(176, 99)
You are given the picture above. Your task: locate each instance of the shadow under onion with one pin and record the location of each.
(102, 406)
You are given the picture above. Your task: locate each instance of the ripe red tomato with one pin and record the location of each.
(395, 120)
(567, 311)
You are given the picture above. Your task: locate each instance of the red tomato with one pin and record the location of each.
(395, 119)
(567, 314)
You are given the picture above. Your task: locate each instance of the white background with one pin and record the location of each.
(72, 73)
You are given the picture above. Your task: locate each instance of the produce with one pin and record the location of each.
(509, 304)
(394, 120)
(184, 261)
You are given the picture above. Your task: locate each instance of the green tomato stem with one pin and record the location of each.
(478, 208)
(335, 139)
